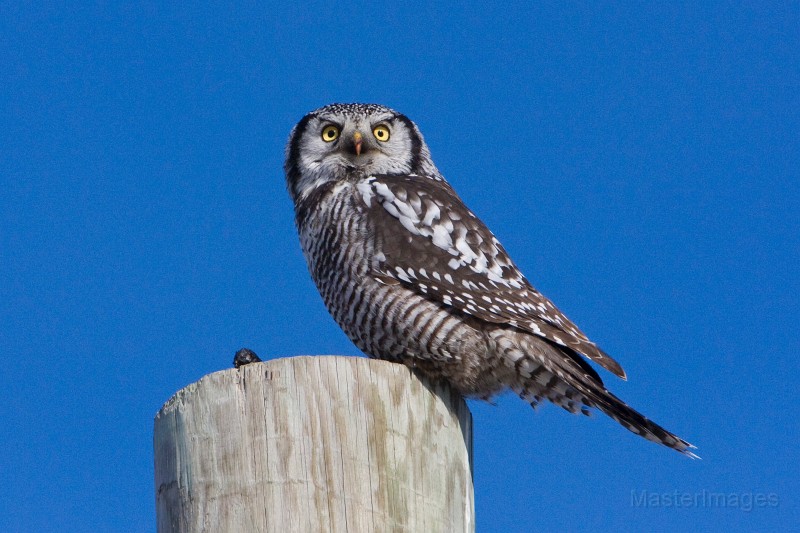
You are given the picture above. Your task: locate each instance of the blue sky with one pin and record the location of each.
(639, 163)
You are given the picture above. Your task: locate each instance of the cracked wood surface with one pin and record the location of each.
(322, 443)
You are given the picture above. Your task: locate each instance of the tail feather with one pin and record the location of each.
(567, 384)
(635, 422)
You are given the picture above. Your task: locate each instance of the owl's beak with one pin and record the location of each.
(357, 140)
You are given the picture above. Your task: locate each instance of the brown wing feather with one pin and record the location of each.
(434, 245)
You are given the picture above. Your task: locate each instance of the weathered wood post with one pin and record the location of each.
(314, 444)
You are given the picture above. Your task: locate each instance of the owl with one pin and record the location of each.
(413, 276)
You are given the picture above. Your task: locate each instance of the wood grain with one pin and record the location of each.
(323, 443)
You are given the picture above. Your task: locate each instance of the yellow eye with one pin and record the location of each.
(381, 132)
(330, 133)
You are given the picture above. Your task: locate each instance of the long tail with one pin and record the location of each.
(564, 378)
(634, 421)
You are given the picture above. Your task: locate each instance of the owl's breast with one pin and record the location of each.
(335, 237)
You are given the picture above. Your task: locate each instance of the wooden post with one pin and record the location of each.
(321, 443)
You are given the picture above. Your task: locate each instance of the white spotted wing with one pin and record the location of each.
(434, 245)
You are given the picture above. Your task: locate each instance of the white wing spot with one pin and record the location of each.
(467, 253)
(407, 210)
(442, 238)
(433, 213)
(365, 188)
(383, 190)
(402, 275)
(408, 223)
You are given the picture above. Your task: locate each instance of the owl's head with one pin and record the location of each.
(341, 141)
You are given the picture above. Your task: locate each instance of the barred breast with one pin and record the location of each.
(382, 318)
